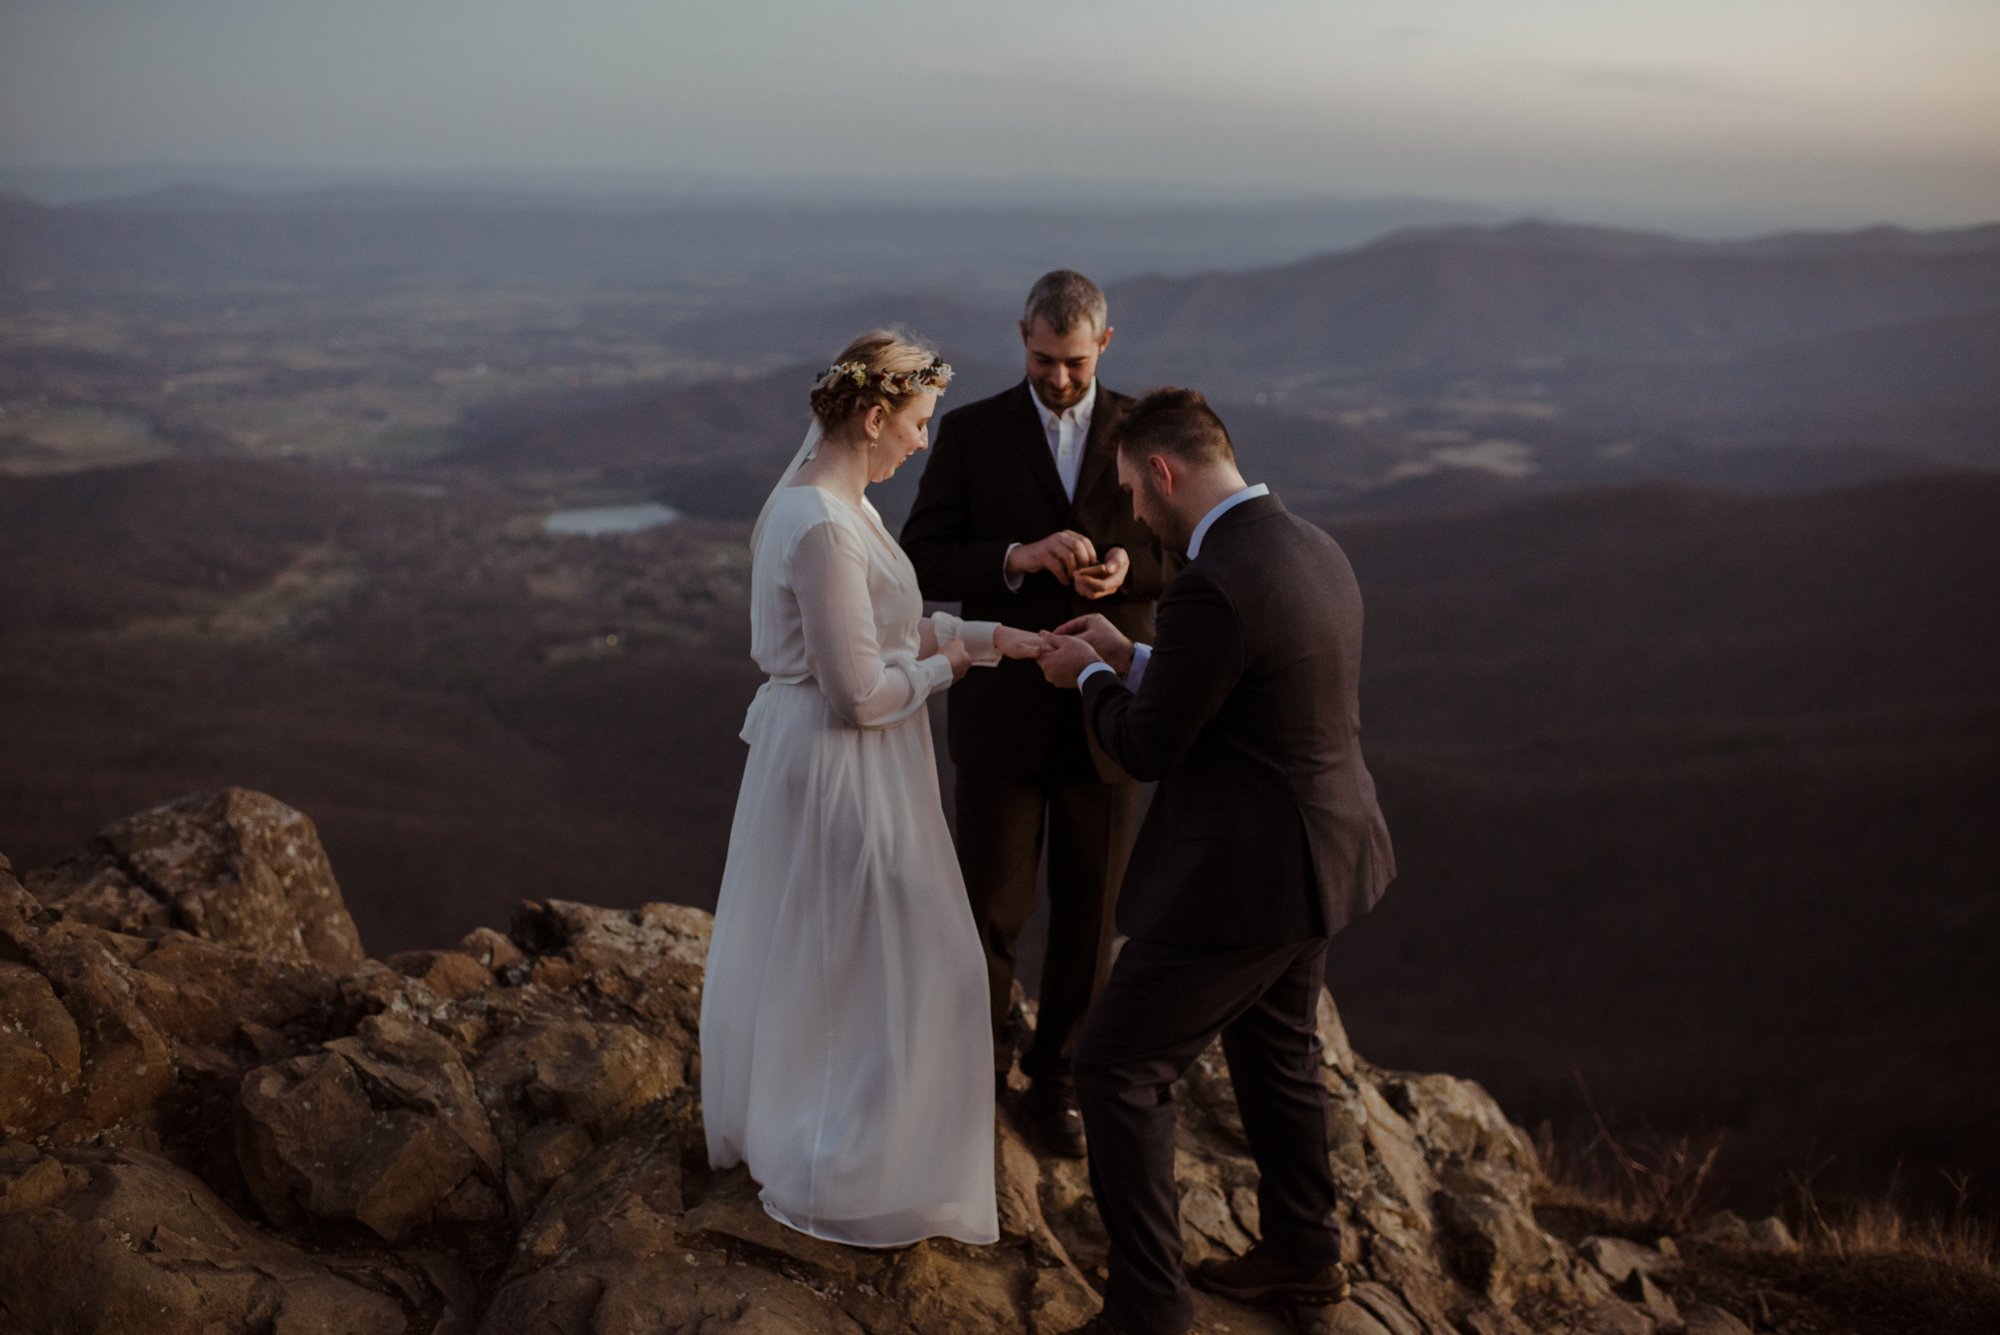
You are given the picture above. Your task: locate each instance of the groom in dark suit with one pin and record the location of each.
(1019, 517)
(1263, 840)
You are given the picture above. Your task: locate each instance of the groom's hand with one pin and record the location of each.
(1108, 641)
(1063, 657)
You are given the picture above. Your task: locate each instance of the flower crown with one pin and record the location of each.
(893, 383)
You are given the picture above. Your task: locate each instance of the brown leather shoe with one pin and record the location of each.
(1257, 1279)
(1053, 1114)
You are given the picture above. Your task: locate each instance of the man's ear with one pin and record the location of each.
(1162, 472)
(1105, 342)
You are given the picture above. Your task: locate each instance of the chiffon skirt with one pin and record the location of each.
(845, 1049)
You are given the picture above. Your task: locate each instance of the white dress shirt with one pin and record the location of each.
(1142, 653)
(1067, 433)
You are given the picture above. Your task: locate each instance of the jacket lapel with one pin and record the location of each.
(1098, 452)
(1033, 442)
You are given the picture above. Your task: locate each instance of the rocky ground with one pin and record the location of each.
(218, 1114)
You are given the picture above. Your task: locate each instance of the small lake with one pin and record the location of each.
(605, 519)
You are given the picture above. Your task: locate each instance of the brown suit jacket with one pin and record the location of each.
(990, 481)
(1265, 828)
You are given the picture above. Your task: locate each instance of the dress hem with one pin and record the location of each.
(796, 1227)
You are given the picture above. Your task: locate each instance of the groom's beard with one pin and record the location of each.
(1174, 534)
(1063, 402)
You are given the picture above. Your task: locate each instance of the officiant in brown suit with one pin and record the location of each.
(1019, 517)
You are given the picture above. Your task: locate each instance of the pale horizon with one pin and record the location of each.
(1712, 117)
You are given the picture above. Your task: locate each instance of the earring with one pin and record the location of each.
(873, 442)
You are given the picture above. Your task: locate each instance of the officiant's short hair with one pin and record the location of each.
(1064, 299)
(1178, 423)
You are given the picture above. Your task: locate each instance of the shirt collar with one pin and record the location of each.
(1222, 507)
(1080, 414)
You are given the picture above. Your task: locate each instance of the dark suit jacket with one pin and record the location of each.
(990, 481)
(1265, 827)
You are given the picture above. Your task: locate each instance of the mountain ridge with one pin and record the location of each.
(1433, 302)
(1584, 238)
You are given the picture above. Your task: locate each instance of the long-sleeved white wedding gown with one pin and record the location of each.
(845, 1049)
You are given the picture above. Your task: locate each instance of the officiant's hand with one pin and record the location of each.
(1059, 554)
(1110, 643)
(1017, 643)
(1063, 657)
(1104, 578)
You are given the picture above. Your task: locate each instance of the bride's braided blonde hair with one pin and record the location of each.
(880, 367)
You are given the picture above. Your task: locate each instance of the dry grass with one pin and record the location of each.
(1959, 1238)
(1863, 1267)
(1646, 1183)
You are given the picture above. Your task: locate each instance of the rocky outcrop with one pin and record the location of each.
(217, 1115)
(232, 867)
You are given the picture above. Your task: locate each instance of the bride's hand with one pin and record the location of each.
(960, 658)
(1017, 643)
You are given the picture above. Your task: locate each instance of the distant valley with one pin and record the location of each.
(1678, 558)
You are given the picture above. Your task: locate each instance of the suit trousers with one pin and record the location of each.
(1162, 1006)
(1088, 826)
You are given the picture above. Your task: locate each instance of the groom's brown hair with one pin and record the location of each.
(1175, 422)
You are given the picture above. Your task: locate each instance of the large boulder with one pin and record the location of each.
(230, 866)
(381, 1128)
(100, 1027)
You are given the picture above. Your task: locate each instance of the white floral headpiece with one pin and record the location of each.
(893, 383)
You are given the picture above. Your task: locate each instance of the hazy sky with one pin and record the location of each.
(1808, 110)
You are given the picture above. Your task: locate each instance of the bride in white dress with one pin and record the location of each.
(845, 1046)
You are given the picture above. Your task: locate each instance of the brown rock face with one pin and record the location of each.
(100, 1240)
(39, 1049)
(225, 1118)
(230, 866)
(108, 1018)
(344, 1135)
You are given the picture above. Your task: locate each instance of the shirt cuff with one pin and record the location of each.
(1142, 654)
(940, 669)
(1086, 674)
(1013, 582)
(977, 636)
